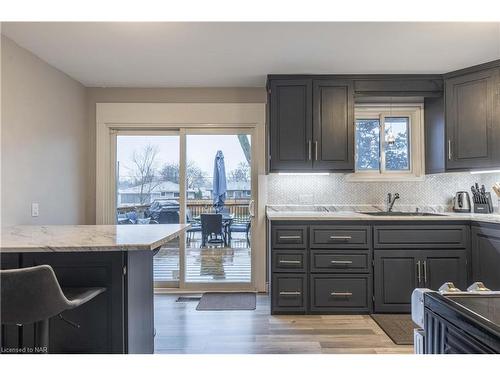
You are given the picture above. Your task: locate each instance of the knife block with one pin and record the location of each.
(484, 208)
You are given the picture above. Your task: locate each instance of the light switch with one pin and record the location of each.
(35, 210)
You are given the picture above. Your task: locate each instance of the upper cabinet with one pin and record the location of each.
(311, 119)
(290, 125)
(333, 125)
(472, 109)
(311, 125)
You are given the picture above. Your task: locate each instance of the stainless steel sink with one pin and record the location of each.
(392, 213)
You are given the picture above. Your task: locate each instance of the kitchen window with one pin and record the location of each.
(388, 143)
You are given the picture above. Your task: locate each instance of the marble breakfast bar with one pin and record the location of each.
(117, 257)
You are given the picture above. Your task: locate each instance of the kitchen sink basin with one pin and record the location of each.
(393, 213)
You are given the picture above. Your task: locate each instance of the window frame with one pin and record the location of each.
(414, 112)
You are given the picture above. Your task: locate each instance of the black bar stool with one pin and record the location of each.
(33, 295)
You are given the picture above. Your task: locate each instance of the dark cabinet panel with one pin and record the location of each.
(289, 293)
(340, 293)
(486, 257)
(435, 137)
(290, 125)
(395, 278)
(340, 237)
(289, 261)
(340, 261)
(472, 120)
(420, 236)
(289, 236)
(440, 266)
(333, 125)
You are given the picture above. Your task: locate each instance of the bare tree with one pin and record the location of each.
(144, 172)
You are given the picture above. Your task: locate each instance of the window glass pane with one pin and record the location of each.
(397, 150)
(367, 144)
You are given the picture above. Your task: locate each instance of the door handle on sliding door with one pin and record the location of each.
(251, 208)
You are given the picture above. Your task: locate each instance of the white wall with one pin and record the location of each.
(44, 141)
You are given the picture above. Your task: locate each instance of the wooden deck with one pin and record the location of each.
(210, 264)
(182, 329)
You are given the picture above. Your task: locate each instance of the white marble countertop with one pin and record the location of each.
(65, 238)
(296, 213)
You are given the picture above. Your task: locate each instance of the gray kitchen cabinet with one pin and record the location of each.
(472, 110)
(311, 125)
(486, 256)
(333, 125)
(398, 272)
(290, 125)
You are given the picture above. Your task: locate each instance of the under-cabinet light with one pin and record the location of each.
(303, 174)
(483, 172)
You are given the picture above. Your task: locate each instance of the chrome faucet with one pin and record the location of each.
(391, 200)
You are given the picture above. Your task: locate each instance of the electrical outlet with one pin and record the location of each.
(35, 209)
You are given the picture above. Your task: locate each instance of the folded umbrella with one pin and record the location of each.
(219, 182)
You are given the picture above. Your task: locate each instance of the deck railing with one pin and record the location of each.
(237, 207)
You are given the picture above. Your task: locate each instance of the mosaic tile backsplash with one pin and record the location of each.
(334, 189)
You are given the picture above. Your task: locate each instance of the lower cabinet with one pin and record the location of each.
(486, 256)
(398, 272)
(289, 293)
(340, 293)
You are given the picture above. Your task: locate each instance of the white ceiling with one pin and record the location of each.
(242, 54)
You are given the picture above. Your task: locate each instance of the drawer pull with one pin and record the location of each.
(343, 238)
(290, 237)
(341, 294)
(290, 293)
(341, 261)
(290, 261)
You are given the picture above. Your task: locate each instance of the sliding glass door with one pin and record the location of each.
(201, 177)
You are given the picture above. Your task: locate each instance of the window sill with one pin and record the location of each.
(377, 177)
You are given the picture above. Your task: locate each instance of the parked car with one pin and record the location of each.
(163, 211)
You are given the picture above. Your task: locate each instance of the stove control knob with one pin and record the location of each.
(448, 287)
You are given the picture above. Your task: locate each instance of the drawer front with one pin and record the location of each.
(340, 261)
(289, 293)
(289, 261)
(340, 237)
(421, 236)
(289, 236)
(340, 293)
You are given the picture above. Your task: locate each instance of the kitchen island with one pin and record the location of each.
(117, 257)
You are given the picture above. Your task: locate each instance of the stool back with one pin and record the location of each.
(29, 295)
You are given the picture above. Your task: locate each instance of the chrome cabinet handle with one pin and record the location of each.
(290, 293)
(449, 149)
(309, 147)
(425, 271)
(341, 294)
(290, 261)
(341, 261)
(315, 150)
(418, 272)
(345, 238)
(290, 237)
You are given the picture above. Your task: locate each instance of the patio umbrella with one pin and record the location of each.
(219, 181)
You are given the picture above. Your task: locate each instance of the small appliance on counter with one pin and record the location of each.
(452, 321)
(461, 202)
(482, 200)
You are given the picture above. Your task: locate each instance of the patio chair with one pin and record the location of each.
(195, 224)
(240, 226)
(211, 225)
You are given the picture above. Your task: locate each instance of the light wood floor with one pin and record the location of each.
(182, 329)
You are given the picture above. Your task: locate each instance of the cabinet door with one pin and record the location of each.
(472, 123)
(290, 125)
(486, 257)
(395, 277)
(333, 119)
(440, 266)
